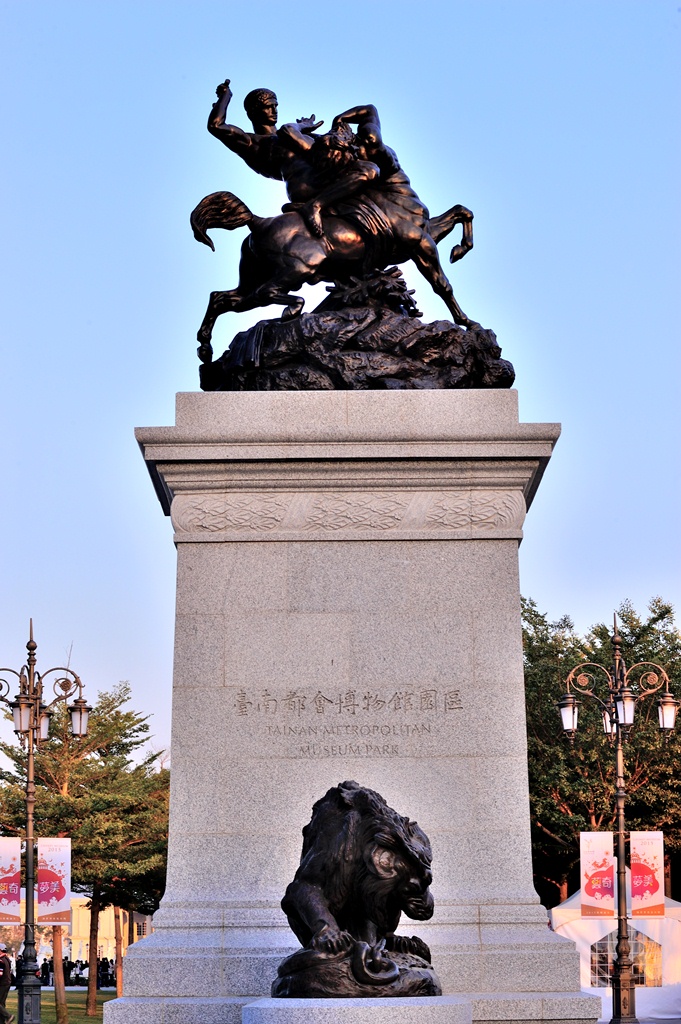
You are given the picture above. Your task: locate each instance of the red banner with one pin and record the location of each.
(647, 874)
(54, 881)
(10, 881)
(597, 873)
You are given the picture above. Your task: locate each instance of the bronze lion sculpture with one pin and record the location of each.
(361, 867)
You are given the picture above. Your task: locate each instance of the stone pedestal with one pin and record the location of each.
(428, 1010)
(347, 608)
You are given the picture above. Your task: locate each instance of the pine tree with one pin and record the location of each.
(114, 810)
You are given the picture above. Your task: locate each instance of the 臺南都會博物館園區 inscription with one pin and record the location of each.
(352, 212)
(374, 723)
(349, 701)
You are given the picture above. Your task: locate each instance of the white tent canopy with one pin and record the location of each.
(656, 1003)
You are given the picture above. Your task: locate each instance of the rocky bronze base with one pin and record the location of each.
(362, 348)
(357, 973)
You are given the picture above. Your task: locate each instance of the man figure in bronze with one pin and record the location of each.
(266, 150)
(259, 148)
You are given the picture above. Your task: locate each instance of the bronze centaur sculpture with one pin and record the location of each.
(353, 211)
(282, 254)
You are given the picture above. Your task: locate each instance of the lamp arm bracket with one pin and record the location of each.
(652, 679)
(584, 682)
(64, 686)
(5, 686)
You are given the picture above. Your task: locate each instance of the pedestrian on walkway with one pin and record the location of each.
(5, 983)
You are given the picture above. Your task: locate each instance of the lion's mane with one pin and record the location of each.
(347, 824)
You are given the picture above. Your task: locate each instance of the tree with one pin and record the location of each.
(114, 810)
(572, 788)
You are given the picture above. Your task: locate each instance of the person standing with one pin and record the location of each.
(5, 984)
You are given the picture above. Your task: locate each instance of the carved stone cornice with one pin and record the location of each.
(343, 466)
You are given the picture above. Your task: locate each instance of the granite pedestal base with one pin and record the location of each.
(427, 1010)
(512, 1008)
(347, 608)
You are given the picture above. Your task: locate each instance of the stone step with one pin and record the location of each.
(424, 1010)
(515, 1007)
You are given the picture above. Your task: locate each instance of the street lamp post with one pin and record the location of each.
(625, 688)
(32, 725)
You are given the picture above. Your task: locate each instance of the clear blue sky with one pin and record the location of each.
(556, 123)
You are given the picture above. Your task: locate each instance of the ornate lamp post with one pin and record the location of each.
(32, 725)
(624, 688)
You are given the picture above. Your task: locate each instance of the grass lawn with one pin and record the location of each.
(75, 1002)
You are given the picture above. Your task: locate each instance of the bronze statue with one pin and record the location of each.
(351, 214)
(362, 866)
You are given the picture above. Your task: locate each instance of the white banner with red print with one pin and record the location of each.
(10, 881)
(54, 881)
(597, 868)
(647, 874)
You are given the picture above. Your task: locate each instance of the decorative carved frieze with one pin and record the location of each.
(258, 512)
(300, 515)
(356, 512)
(482, 510)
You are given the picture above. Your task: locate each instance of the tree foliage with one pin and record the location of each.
(113, 808)
(572, 787)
